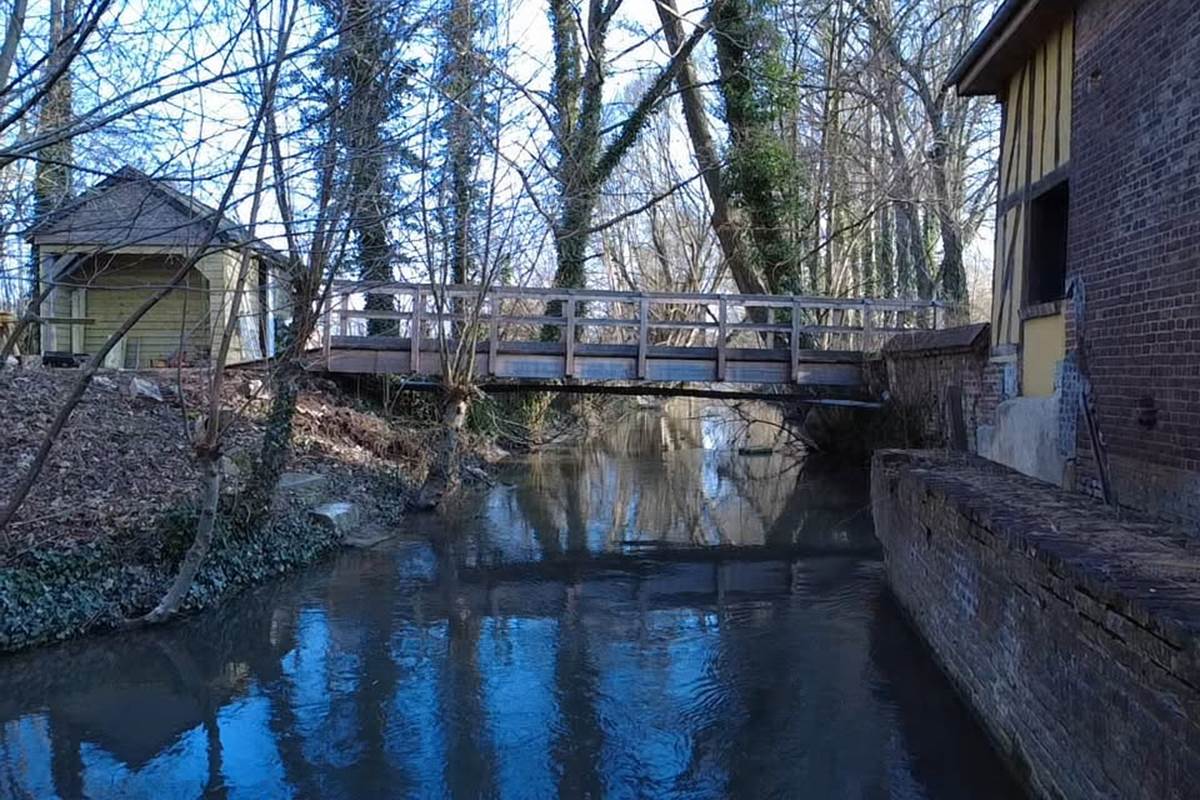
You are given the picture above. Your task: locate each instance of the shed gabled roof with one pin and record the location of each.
(1012, 35)
(132, 209)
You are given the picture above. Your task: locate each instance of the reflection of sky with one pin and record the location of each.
(180, 771)
(653, 704)
(519, 700)
(321, 678)
(415, 739)
(25, 758)
(250, 762)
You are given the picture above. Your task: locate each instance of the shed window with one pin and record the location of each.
(1046, 278)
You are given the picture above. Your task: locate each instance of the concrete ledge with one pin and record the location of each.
(1073, 635)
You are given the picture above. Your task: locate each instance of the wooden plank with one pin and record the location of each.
(1038, 131)
(66, 321)
(606, 322)
(722, 335)
(643, 335)
(362, 313)
(569, 343)
(343, 319)
(759, 327)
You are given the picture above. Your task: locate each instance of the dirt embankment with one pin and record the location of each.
(100, 535)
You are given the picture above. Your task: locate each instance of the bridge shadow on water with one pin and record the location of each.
(568, 634)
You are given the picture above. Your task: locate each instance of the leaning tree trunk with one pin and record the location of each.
(444, 477)
(210, 469)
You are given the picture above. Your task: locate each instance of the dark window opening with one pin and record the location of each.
(1046, 272)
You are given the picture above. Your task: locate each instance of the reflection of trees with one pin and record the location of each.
(677, 477)
(577, 747)
(469, 768)
(134, 695)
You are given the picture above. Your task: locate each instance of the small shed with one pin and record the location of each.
(121, 241)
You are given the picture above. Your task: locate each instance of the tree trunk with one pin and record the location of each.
(276, 444)
(444, 477)
(730, 230)
(210, 472)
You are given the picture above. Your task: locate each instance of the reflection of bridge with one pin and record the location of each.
(666, 343)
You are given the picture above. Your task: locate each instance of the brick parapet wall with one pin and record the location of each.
(1073, 635)
(1135, 241)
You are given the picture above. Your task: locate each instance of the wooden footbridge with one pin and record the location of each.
(618, 342)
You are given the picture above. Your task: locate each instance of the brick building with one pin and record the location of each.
(1097, 275)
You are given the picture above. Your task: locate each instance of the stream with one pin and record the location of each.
(683, 608)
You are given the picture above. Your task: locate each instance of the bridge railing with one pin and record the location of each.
(423, 312)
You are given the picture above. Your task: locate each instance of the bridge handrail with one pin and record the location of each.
(656, 298)
(489, 310)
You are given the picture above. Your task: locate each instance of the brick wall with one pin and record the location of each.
(1135, 242)
(917, 372)
(1071, 634)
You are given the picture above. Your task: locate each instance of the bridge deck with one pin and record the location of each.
(597, 363)
(508, 349)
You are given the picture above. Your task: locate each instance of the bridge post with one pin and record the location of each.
(868, 327)
(569, 351)
(722, 334)
(493, 334)
(795, 343)
(643, 334)
(327, 330)
(414, 338)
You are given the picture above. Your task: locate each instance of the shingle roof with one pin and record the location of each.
(131, 208)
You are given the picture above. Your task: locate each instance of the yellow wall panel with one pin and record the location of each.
(1022, 162)
(1037, 125)
(1016, 285)
(1049, 131)
(1068, 82)
(1045, 344)
(1009, 264)
(1011, 137)
(1039, 112)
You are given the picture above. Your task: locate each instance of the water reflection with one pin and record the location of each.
(695, 475)
(468, 670)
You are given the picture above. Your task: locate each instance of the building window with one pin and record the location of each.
(1046, 273)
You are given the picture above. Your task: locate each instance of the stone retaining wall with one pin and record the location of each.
(1073, 635)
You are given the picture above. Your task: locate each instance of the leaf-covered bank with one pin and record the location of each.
(57, 592)
(103, 533)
